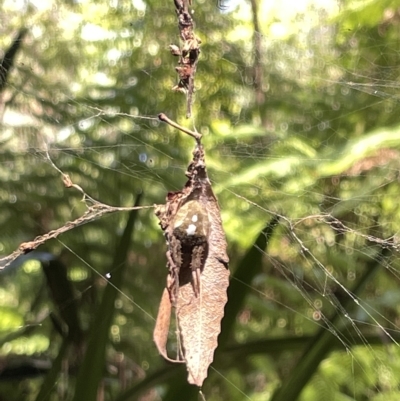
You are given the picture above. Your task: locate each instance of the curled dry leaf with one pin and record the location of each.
(198, 271)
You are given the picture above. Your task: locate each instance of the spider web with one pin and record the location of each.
(317, 146)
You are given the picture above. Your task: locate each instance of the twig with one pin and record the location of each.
(95, 210)
(93, 213)
(188, 53)
(195, 135)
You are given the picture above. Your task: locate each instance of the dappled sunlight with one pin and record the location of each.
(297, 105)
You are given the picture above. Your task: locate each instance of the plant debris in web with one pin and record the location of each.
(198, 275)
(188, 53)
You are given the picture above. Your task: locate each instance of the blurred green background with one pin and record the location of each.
(297, 103)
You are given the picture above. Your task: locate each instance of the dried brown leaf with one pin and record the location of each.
(198, 275)
(160, 335)
(199, 318)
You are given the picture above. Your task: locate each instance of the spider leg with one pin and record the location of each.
(196, 263)
(196, 281)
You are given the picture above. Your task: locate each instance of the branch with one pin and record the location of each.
(165, 119)
(95, 210)
(188, 53)
(7, 62)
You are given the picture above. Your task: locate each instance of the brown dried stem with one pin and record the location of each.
(95, 210)
(165, 119)
(188, 53)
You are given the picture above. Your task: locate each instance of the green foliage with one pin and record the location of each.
(320, 150)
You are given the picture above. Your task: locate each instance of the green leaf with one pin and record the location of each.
(323, 341)
(93, 365)
(48, 387)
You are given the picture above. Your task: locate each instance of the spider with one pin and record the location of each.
(188, 246)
